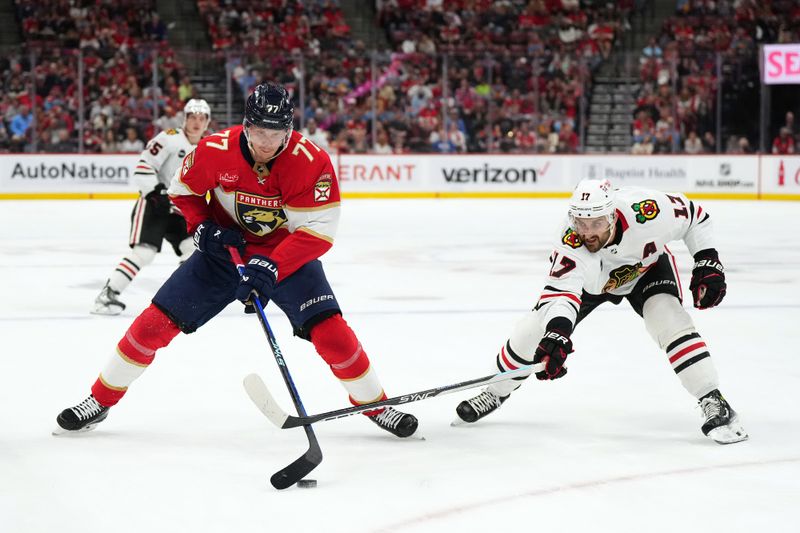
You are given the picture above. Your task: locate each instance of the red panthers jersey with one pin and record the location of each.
(287, 209)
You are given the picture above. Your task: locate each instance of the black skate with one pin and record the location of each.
(83, 417)
(395, 422)
(107, 302)
(476, 408)
(721, 423)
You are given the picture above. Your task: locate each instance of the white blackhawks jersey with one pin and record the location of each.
(647, 221)
(161, 158)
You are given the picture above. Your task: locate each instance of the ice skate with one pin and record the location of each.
(83, 417)
(395, 422)
(721, 423)
(107, 302)
(474, 409)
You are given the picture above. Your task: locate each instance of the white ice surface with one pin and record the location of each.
(432, 288)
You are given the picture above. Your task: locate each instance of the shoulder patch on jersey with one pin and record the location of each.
(188, 161)
(171, 131)
(645, 210)
(571, 239)
(260, 215)
(322, 188)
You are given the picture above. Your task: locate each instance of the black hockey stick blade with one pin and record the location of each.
(263, 399)
(285, 478)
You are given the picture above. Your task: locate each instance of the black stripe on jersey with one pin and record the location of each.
(514, 356)
(690, 362)
(704, 219)
(124, 274)
(132, 263)
(682, 340)
(691, 211)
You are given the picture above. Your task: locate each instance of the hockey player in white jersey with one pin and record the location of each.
(613, 247)
(154, 218)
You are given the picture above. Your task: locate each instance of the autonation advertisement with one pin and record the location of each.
(50, 173)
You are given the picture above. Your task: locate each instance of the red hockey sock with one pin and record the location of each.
(135, 351)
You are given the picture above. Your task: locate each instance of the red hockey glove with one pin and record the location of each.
(552, 351)
(708, 279)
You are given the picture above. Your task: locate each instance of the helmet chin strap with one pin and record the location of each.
(613, 228)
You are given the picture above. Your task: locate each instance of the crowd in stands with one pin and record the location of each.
(677, 104)
(479, 76)
(115, 46)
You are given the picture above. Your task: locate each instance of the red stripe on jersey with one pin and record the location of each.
(687, 350)
(622, 220)
(506, 360)
(561, 295)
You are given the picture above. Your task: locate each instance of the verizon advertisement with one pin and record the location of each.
(51, 173)
(464, 173)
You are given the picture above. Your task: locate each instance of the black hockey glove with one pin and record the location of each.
(260, 275)
(708, 279)
(552, 351)
(158, 200)
(212, 239)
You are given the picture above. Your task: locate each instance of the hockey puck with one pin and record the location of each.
(307, 483)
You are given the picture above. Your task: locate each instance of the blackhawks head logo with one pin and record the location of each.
(260, 215)
(645, 210)
(571, 239)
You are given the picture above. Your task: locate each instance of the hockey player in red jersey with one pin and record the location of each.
(613, 247)
(275, 197)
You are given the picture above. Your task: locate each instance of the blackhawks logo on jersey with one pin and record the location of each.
(259, 214)
(645, 210)
(571, 239)
(623, 275)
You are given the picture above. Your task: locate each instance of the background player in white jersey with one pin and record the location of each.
(613, 247)
(154, 217)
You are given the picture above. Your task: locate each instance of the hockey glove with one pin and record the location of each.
(552, 351)
(157, 200)
(213, 239)
(708, 279)
(260, 275)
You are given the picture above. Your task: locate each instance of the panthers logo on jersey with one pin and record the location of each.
(259, 214)
(645, 210)
(571, 239)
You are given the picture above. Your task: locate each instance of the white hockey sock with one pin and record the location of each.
(508, 359)
(365, 388)
(692, 362)
(129, 267)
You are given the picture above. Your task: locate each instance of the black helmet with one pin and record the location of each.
(270, 107)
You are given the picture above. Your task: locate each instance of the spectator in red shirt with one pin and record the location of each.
(783, 143)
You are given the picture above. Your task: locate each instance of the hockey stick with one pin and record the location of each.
(307, 462)
(263, 399)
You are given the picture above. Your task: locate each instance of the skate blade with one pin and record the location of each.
(730, 434)
(458, 422)
(61, 432)
(105, 310)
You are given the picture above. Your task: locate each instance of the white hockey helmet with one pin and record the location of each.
(592, 198)
(197, 105)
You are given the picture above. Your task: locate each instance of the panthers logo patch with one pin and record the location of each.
(571, 239)
(623, 275)
(645, 210)
(258, 214)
